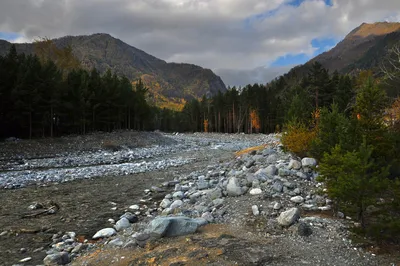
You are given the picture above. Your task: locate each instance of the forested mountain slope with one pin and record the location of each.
(165, 80)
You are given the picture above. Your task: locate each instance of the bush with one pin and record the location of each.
(297, 138)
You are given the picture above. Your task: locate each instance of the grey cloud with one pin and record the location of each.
(210, 33)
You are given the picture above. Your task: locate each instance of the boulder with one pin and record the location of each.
(172, 226)
(289, 217)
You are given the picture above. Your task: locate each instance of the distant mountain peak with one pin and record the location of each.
(373, 29)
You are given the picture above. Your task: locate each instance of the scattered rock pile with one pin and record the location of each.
(277, 186)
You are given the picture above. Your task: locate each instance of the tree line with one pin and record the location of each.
(38, 98)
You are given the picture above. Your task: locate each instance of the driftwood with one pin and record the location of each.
(54, 207)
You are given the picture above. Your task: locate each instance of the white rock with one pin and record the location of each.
(165, 203)
(289, 217)
(134, 207)
(122, 224)
(277, 206)
(297, 199)
(308, 162)
(176, 204)
(255, 210)
(233, 187)
(255, 191)
(294, 164)
(26, 259)
(106, 232)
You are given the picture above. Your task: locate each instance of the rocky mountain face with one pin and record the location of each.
(165, 80)
(365, 47)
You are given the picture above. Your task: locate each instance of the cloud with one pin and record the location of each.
(217, 34)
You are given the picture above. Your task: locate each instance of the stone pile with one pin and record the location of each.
(285, 185)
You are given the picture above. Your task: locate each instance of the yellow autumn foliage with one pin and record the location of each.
(297, 138)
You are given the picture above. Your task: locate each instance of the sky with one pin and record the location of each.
(244, 41)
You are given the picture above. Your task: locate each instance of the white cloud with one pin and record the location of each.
(218, 34)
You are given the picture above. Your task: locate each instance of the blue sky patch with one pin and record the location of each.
(320, 45)
(9, 36)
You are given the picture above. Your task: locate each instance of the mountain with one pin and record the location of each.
(170, 84)
(363, 48)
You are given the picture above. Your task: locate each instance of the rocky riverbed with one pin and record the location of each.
(178, 199)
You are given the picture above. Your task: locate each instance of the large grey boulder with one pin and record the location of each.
(172, 226)
(289, 217)
(233, 187)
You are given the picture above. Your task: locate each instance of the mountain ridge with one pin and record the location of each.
(165, 80)
(364, 48)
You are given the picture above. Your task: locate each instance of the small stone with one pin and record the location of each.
(304, 229)
(233, 187)
(25, 259)
(202, 185)
(134, 207)
(121, 224)
(283, 172)
(208, 217)
(277, 186)
(60, 258)
(308, 162)
(132, 218)
(176, 204)
(277, 206)
(289, 217)
(77, 248)
(218, 203)
(294, 164)
(297, 199)
(272, 158)
(271, 170)
(178, 195)
(255, 210)
(250, 163)
(156, 189)
(103, 233)
(165, 203)
(116, 242)
(255, 191)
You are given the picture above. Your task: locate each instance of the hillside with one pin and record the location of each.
(363, 48)
(166, 81)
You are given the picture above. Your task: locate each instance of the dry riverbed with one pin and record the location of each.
(76, 184)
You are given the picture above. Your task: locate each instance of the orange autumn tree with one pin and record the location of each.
(205, 125)
(255, 121)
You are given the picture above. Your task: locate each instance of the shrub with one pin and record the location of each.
(297, 138)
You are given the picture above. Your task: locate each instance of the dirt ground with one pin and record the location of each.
(84, 207)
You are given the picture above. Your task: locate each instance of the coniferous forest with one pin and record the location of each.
(351, 124)
(49, 94)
